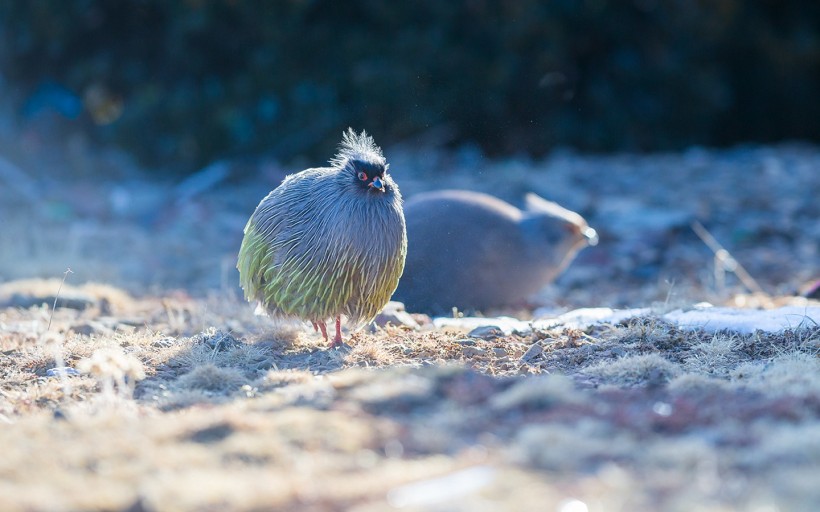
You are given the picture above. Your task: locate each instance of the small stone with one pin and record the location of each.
(534, 351)
(216, 339)
(499, 352)
(164, 342)
(486, 332)
(394, 314)
(56, 372)
(473, 351)
(89, 328)
(617, 352)
(422, 319)
(467, 342)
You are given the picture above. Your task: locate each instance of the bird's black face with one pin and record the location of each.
(369, 175)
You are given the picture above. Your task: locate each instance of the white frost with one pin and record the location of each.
(703, 316)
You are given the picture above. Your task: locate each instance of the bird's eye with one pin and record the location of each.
(362, 175)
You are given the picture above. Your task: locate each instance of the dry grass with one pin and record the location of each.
(184, 404)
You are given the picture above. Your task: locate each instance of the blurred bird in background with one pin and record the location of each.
(473, 251)
(327, 242)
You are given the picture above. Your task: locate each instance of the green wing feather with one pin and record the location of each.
(253, 261)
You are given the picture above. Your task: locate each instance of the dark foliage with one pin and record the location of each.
(183, 82)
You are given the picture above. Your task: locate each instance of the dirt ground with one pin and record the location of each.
(152, 386)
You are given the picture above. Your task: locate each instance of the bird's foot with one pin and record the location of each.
(337, 342)
(340, 346)
(323, 328)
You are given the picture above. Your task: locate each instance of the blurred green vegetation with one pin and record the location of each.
(180, 83)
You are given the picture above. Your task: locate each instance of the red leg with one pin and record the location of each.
(337, 341)
(315, 327)
(323, 328)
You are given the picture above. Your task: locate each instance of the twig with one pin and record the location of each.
(725, 260)
(57, 296)
(57, 347)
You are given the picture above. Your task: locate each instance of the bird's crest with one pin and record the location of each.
(357, 147)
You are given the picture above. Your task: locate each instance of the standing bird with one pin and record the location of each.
(474, 251)
(327, 242)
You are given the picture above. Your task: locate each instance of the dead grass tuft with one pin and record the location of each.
(697, 383)
(795, 373)
(640, 370)
(559, 447)
(651, 333)
(716, 357)
(279, 378)
(209, 377)
(370, 351)
(540, 391)
(115, 370)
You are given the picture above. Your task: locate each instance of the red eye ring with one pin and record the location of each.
(362, 175)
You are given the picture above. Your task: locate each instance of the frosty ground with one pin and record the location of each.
(178, 398)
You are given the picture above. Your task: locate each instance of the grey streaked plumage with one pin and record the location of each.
(474, 251)
(328, 241)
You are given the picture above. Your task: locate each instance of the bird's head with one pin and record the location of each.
(362, 164)
(368, 175)
(556, 223)
(554, 233)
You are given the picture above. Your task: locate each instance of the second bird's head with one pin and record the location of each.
(361, 164)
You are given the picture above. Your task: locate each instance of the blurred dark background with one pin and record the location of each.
(182, 83)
